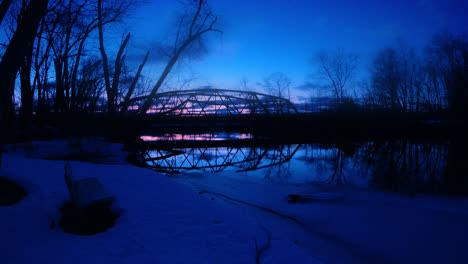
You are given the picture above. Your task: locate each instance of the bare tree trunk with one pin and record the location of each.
(14, 54)
(118, 69)
(74, 75)
(162, 78)
(59, 95)
(126, 101)
(39, 61)
(337, 68)
(27, 92)
(105, 62)
(194, 32)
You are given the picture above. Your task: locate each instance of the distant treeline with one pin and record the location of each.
(402, 79)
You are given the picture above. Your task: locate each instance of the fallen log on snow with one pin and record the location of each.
(315, 197)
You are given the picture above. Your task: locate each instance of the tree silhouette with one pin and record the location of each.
(337, 68)
(189, 31)
(386, 79)
(19, 46)
(450, 54)
(278, 84)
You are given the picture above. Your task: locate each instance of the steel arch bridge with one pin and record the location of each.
(211, 101)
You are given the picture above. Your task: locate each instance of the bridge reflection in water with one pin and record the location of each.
(391, 165)
(210, 152)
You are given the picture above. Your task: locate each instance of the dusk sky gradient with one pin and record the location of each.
(263, 37)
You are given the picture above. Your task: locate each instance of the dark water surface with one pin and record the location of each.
(396, 165)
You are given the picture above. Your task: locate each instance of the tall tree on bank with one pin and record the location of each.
(112, 84)
(67, 28)
(450, 54)
(77, 20)
(19, 46)
(278, 84)
(337, 68)
(397, 79)
(126, 100)
(111, 95)
(189, 31)
(386, 79)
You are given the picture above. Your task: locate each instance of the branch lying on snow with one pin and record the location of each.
(259, 251)
(266, 209)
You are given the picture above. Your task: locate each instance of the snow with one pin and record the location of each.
(162, 220)
(218, 217)
(362, 226)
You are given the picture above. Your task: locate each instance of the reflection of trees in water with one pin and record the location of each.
(456, 175)
(338, 161)
(332, 160)
(402, 165)
(392, 165)
(278, 173)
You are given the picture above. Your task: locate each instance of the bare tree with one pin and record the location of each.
(278, 84)
(19, 46)
(244, 84)
(449, 54)
(410, 86)
(191, 29)
(27, 92)
(71, 24)
(126, 100)
(337, 68)
(401, 81)
(432, 93)
(90, 85)
(386, 79)
(368, 98)
(111, 90)
(416, 73)
(66, 29)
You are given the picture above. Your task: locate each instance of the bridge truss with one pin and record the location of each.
(210, 101)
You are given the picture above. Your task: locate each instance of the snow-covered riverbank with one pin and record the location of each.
(162, 221)
(220, 218)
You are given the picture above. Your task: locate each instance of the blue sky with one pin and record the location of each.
(262, 37)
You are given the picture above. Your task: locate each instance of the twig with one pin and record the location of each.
(259, 251)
